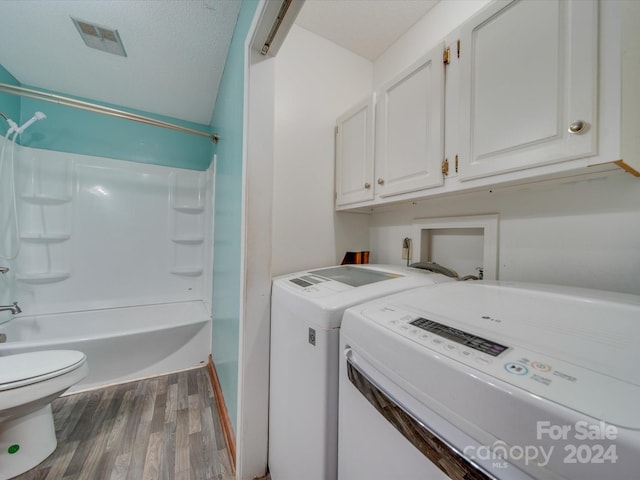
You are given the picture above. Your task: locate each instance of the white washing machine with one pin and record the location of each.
(306, 312)
(491, 380)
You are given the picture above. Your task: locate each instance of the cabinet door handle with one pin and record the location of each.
(579, 126)
(381, 181)
(367, 185)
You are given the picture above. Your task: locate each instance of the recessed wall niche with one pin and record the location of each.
(464, 244)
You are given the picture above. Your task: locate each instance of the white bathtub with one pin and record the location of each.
(121, 344)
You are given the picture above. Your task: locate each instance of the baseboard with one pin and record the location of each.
(223, 414)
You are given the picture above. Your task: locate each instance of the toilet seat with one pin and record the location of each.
(24, 369)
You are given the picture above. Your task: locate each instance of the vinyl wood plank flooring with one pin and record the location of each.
(161, 428)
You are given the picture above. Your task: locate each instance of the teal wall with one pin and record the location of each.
(228, 122)
(9, 104)
(71, 130)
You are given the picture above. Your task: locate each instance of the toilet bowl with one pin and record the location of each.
(29, 382)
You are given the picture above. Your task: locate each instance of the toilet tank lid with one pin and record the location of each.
(25, 368)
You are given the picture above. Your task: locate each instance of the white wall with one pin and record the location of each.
(442, 20)
(584, 233)
(255, 311)
(316, 81)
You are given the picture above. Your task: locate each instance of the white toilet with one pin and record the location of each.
(29, 382)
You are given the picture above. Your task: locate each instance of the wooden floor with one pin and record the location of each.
(162, 428)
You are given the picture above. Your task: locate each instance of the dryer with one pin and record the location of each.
(491, 380)
(306, 313)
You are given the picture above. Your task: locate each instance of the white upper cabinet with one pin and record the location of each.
(619, 100)
(354, 154)
(409, 131)
(528, 86)
(536, 90)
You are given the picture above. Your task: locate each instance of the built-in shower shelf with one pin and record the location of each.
(44, 199)
(187, 271)
(188, 239)
(189, 208)
(45, 237)
(41, 278)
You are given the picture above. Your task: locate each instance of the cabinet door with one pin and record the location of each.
(354, 154)
(410, 134)
(528, 85)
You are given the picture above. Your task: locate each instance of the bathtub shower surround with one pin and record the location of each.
(10, 239)
(101, 233)
(115, 261)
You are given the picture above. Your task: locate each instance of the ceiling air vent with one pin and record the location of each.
(99, 37)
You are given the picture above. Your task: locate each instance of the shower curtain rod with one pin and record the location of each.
(92, 107)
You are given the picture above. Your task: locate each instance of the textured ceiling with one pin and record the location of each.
(365, 27)
(176, 51)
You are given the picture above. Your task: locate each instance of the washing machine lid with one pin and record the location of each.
(592, 329)
(354, 276)
(367, 281)
(24, 369)
(575, 347)
(321, 295)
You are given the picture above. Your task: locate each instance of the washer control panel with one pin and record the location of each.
(455, 343)
(576, 387)
(464, 339)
